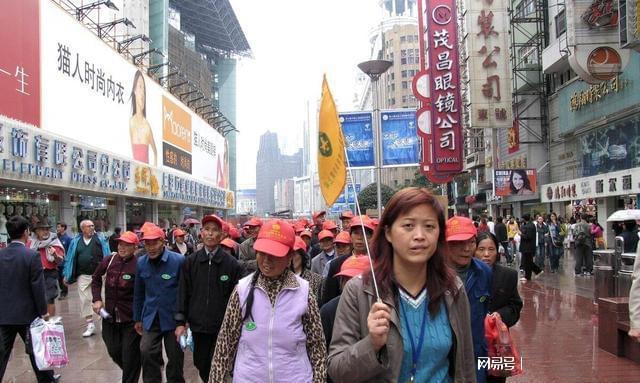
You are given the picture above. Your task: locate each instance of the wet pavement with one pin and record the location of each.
(557, 336)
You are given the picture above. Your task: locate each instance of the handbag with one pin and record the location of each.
(48, 343)
(504, 358)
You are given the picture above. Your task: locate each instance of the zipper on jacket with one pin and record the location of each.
(208, 280)
(273, 312)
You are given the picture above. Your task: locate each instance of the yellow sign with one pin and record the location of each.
(596, 92)
(331, 168)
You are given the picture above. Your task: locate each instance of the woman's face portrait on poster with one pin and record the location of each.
(519, 183)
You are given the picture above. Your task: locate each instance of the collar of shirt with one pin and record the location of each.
(330, 254)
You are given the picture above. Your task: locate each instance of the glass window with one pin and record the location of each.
(402, 39)
(561, 23)
(403, 53)
(405, 85)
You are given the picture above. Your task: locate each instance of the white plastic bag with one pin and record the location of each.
(47, 341)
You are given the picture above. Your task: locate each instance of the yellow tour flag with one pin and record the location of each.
(331, 162)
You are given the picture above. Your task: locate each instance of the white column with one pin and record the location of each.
(121, 212)
(606, 207)
(199, 212)
(67, 212)
(154, 212)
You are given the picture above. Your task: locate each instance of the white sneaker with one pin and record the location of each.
(91, 329)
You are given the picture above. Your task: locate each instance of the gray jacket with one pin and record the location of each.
(319, 261)
(353, 360)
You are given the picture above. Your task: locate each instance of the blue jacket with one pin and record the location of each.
(478, 287)
(156, 290)
(65, 239)
(70, 258)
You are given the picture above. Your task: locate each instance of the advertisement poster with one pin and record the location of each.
(611, 149)
(20, 61)
(357, 129)
(513, 137)
(110, 103)
(351, 194)
(515, 182)
(400, 144)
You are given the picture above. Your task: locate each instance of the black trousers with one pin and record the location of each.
(123, 346)
(151, 352)
(64, 289)
(7, 337)
(529, 265)
(203, 347)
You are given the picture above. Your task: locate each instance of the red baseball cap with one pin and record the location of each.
(347, 214)
(275, 238)
(318, 214)
(361, 220)
(353, 266)
(213, 218)
(325, 234)
(343, 237)
(234, 233)
(129, 237)
(253, 222)
(299, 227)
(152, 232)
(179, 233)
(329, 225)
(300, 244)
(306, 232)
(460, 229)
(229, 243)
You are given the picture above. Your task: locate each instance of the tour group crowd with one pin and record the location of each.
(293, 300)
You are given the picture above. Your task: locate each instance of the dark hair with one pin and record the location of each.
(305, 259)
(117, 230)
(522, 174)
(526, 217)
(440, 277)
(249, 303)
(487, 235)
(584, 216)
(64, 225)
(499, 219)
(137, 76)
(16, 226)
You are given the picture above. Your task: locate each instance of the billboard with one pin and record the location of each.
(108, 102)
(515, 182)
(400, 144)
(357, 129)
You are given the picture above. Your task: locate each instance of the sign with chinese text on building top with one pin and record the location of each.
(489, 64)
(437, 86)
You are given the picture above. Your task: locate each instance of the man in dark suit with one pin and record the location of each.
(528, 248)
(22, 288)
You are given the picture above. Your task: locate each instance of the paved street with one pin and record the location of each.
(557, 335)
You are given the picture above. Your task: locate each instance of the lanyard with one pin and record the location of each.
(415, 351)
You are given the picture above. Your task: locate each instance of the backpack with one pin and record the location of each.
(582, 238)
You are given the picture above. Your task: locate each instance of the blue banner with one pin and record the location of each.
(400, 143)
(357, 129)
(351, 194)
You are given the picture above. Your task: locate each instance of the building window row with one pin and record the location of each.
(409, 73)
(409, 39)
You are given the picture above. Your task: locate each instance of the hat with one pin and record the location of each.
(360, 220)
(299, 227)
(275, 238)
(129, 237)
(329, 225)
(42, 224)
(324, 234)
(234, 233)
(318, 214)
(306, 232)
(213, 218)
(146, 226)
(225, 227)
(152, 233)
(460, 229)
(229, 243)
(300, 244)
(343, 237)
(179, 233)
(375, 222)
(353, 266)
(347, 214)
(253, 222)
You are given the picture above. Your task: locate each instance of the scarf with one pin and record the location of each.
(53, 240)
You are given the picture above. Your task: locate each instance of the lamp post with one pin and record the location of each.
(374, 69)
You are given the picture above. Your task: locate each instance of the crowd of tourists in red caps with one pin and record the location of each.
(410, 297)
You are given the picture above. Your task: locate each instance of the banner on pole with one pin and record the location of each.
(400, 144)
(357, 129)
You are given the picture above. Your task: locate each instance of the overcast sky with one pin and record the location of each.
(293, 43)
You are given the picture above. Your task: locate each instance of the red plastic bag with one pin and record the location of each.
(504, 358)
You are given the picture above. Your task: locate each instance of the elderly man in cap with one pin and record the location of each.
(247, 254)
(207, 280)
(154, 306)
(476, 276)
(179, 245)
(327, 254)
(86, 251)
(318, 220)
(345, 218)
(51, 252)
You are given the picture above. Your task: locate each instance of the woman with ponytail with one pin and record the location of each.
(272, 330)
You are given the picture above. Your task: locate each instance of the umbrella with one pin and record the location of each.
(624, 215)
(190, 221)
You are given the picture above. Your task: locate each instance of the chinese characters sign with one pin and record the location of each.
(489, 64)
(20, 61)
(596, 92)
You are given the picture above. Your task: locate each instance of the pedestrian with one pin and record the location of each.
(272, 330)
(542, 233)
(154, 307)
(557, 235)
(207, 280)
(634, 301)
(492, 225)
(342, 243)
(300, 267)
(630, 236)
(318, 220)
(345, 220)
(65, 239)
(179, 245)
(113, 239)
(528, 241)
(583, 251)
(86, 251)
(328, 252)
(378, 340)
(247, 254)
(483, 226)
(512, 230)
(51, 253)
(505, 302)
(597, 233)
(476, 276)
(116, 309)
(503, 238)
(22, 289)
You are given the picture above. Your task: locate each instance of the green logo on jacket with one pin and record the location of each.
(126, 277)
(166, 277)
(483, 298)
(224, 278)
(250, 326)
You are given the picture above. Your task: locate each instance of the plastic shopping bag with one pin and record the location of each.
(504, 358)
(47, 341)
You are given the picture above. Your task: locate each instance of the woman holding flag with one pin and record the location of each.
(407, 320)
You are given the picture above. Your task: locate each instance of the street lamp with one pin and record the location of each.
(374, 69)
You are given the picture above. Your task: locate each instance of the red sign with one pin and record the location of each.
(441, 126)
(20, 61)
(513, 137)
(515, 182)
